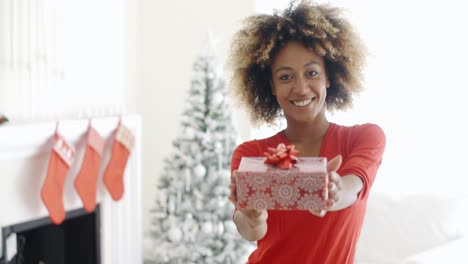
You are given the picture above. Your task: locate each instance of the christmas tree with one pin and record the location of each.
(193, 217)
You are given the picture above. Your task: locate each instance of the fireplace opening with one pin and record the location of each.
(75, 241)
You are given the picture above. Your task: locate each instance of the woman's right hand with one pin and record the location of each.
(253, 217)
(233, 187)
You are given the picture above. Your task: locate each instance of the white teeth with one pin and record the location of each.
(302, 103)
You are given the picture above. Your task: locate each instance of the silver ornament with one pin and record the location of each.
(175, 234)
(199, 170)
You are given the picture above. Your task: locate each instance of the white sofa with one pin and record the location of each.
(414, 229)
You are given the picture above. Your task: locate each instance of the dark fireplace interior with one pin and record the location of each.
(75, 241)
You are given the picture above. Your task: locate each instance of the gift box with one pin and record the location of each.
(263, 185)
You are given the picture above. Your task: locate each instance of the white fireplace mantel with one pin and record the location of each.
(24, 155)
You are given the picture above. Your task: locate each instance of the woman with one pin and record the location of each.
(299, 64)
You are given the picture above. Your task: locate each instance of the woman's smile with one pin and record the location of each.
(302, 102)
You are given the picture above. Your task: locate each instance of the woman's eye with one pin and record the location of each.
(285, 77)
(312, 73)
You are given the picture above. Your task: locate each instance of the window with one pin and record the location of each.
(61, 58)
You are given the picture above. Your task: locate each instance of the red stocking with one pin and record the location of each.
(113, 176)
(60, 161)
(86, 180)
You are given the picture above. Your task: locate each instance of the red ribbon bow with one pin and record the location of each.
(282, 156)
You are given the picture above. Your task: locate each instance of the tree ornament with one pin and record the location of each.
(175, 234)
(189, 133)
(220, 229)
(199, 170)
(221, 203)
(217, 98)
(207, 227)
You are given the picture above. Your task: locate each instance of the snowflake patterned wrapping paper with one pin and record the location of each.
(264, 186)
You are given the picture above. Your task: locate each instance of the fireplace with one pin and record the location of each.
(110, 235)
(75, 241)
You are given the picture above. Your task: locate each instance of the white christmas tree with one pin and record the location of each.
(192, 217)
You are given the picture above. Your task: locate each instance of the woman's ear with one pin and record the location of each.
(328, 84)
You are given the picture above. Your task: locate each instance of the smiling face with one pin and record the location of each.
(299, 82)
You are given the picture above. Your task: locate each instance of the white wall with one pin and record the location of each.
(130, 47)
(169, 36)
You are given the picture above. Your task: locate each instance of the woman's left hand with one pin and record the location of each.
(335, 183)
(343, 190)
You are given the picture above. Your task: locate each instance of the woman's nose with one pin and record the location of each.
(300, 86)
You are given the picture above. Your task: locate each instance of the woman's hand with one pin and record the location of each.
(343, 191)
(233, 187)
(335, 185)
(251, 223)
(254, 217)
